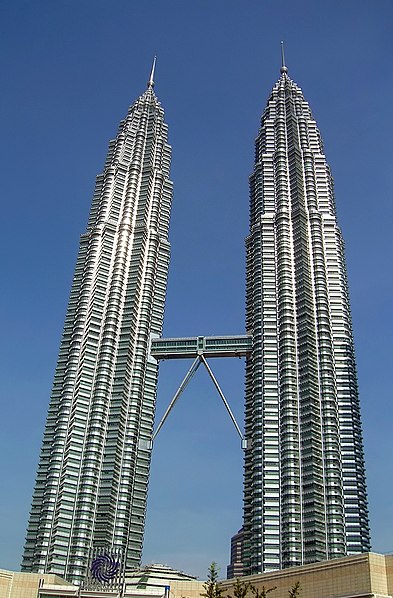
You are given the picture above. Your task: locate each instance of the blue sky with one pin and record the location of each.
(69, 70)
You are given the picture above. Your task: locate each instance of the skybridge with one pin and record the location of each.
(200, 348)
(209, 346)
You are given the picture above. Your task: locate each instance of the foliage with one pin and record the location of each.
(241, 588)
(212, 589)
(295, 590)
(263, 592)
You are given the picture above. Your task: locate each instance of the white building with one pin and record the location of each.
(304, 491)
(92, 479)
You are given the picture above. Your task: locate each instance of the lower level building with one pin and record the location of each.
(150, 581)
(367, 575)
(236, 569)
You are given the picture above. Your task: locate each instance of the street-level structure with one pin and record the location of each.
(358, 576)
(93, 472)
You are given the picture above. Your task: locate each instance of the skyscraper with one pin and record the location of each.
(304, 489)
(94, 465)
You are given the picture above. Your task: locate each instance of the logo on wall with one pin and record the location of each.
(105, 567)
(106, 570)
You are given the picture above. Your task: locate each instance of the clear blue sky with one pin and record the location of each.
(69, 70)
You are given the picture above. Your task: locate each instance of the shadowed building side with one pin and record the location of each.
(236, 569)
(304, 485)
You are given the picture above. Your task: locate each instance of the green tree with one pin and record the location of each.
(212, 589)
(241, 588)
(263, 592)
(295, 590)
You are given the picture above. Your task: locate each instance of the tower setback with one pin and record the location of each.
(304, 479)
(304, 487)
(93, 471)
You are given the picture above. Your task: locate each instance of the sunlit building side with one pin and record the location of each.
(93, 472)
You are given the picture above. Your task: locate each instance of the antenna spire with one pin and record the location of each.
(283, 65)
(150, 83)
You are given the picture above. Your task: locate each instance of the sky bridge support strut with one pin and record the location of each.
(200, 347)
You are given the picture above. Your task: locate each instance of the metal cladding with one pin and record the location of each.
(304, 486)
(304, 490)
(94, 466)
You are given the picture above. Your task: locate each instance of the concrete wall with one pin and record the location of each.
(357, 576)
(24, 585)
(360, 576)
(186, 589)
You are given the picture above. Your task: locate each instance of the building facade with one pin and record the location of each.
(93, 471)
(235, 569)
(304, 488)
(367, 575)
(358, 576)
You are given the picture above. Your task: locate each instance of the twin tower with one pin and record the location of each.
(304, 479)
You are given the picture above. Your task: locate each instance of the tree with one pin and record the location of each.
(212, 589)
(241, 588)
(263, 592)
(295, 590)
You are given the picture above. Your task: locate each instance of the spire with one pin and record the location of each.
(283, 68)
(150, 83)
